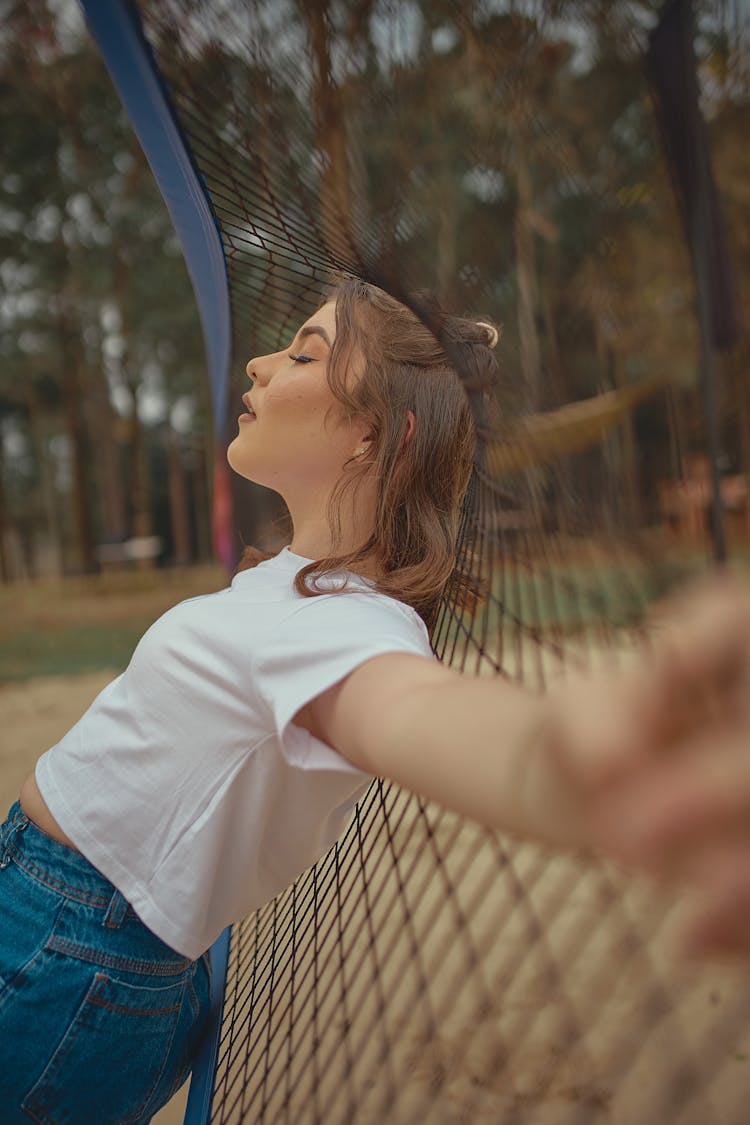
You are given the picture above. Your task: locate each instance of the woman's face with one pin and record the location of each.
(295, 432)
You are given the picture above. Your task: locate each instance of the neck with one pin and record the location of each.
(312, 537)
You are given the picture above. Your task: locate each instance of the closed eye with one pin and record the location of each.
(301, 358)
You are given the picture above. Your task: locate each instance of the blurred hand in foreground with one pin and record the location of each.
(663, 750)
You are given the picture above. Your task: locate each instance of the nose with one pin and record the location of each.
(260, 369)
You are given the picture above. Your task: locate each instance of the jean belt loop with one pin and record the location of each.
(18, 824)
(116, 911)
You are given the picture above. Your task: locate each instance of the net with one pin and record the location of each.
(506, 157)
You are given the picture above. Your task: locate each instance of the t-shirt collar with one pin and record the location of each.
(299, 560)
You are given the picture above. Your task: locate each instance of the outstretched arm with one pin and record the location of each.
(650, 764)
(476, 745)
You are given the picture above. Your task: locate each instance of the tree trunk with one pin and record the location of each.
(73, 398)
(554, 359)
(140, 485)
(741, 400)
(111, 483)
(106, 432)
(178, 508)
(631, 494)
(676, 433)
(446, 247)
(525, 268)
(331, 139)
(50, 501)
(201, 466)
(5, 574)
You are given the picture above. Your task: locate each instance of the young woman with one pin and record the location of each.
(229, 755)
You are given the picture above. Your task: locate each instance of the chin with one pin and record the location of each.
(243, 466)
(232, 457)
(238, 463)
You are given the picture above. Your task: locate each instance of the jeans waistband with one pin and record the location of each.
(59, 867)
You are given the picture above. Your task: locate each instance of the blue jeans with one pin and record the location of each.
(100, 1021)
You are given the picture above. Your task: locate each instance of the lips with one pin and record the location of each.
(250, 416)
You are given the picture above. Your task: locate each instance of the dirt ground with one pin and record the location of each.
(33, 715)
(595, 1079)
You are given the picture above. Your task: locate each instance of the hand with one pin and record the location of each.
(662, 751)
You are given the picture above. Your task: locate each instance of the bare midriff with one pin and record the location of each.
(35, 807)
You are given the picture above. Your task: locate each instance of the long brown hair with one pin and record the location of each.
(420, 482)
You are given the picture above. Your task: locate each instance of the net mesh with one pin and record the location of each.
(504, 156)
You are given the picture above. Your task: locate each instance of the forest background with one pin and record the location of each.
(105, 417)
(106, 434)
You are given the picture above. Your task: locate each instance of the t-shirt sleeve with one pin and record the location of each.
(325, 639)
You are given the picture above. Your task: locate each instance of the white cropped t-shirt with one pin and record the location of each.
(187, 784)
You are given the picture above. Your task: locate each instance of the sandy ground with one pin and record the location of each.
(439, 976)
(33, 716)
(556, 945)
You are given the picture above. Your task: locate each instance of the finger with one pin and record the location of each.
(677, 803)
(719, 921)
(605, 726)
(609, 726)
(706, 643)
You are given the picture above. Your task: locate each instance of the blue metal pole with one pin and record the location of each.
(198, 1108)
(116, 27)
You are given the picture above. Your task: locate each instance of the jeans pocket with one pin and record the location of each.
(199, 995)
(111, 1058)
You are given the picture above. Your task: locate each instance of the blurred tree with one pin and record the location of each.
(505, 153)
(95, 292)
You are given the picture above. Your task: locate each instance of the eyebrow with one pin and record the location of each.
(314, 330)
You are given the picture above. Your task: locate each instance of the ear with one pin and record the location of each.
(411, 425)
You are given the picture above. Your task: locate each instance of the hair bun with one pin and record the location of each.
(491, 332)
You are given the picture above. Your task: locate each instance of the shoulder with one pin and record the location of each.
(356, 607)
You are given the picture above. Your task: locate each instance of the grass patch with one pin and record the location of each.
(579, 589)
(68, 650)
(89, 624)
(66, 626)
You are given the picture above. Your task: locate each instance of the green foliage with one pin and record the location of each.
(97, 310)
(81, 625)
(510, 159)
(68, 651)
